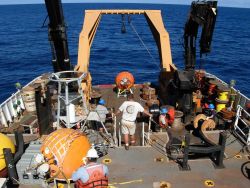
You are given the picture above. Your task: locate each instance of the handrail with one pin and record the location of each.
(239, 131)
(6, 113)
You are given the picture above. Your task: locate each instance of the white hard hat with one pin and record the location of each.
(92, 153)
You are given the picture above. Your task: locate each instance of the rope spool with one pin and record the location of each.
(223, 93)
(220, 104)
(208, 124)
(177, 124)
(198, 118)
(28, 95)
(222, 98)
(148, 93)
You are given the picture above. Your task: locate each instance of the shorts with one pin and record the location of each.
(128, 127)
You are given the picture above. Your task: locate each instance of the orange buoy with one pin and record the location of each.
(124, 80)
(63, 150)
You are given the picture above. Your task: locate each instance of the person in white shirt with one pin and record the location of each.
(129, 111)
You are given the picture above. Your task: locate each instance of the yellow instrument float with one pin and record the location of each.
(222, 99)
(5, 142)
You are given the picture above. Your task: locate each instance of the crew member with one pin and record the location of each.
(91, 174)
(211, 112)
(129, 111)
(166, 117)
(102, 111)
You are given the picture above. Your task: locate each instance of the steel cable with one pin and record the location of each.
(137, 34)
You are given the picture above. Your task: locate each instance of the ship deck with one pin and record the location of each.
(149, 165)
(139, 167)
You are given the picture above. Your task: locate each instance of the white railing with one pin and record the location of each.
(242, 130)
(8, 113)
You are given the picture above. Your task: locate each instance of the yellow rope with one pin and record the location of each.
(68, 182)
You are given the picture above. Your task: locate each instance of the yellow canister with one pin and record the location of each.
(220, 106)
(223, 95)
(5, 142)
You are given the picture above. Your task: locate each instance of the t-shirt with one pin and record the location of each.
(130, 110)
(102, 111)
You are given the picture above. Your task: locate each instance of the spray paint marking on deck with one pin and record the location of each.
(209, 183)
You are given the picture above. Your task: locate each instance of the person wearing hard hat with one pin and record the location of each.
(166, 117)
(102, 111)
(91, 174)
(129, 111)
(211, 112)
(162, 118)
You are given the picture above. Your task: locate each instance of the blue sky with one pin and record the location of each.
(226, 3)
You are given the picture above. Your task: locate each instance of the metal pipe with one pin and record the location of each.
(120, 142)
(149, 128)
(67, 104)
(143, 139)
(115, 134)
(58, 104)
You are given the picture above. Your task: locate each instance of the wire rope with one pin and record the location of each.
(137, 34)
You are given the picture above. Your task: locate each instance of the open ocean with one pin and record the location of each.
(25, 51)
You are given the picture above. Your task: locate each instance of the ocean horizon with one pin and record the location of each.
(25, 51)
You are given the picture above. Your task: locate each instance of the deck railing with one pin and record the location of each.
(9, 114)
(241, 125)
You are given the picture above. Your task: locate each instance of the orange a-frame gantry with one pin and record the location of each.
(155, 22)
(91, 22)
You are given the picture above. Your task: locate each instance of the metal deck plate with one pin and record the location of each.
(140, 167)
